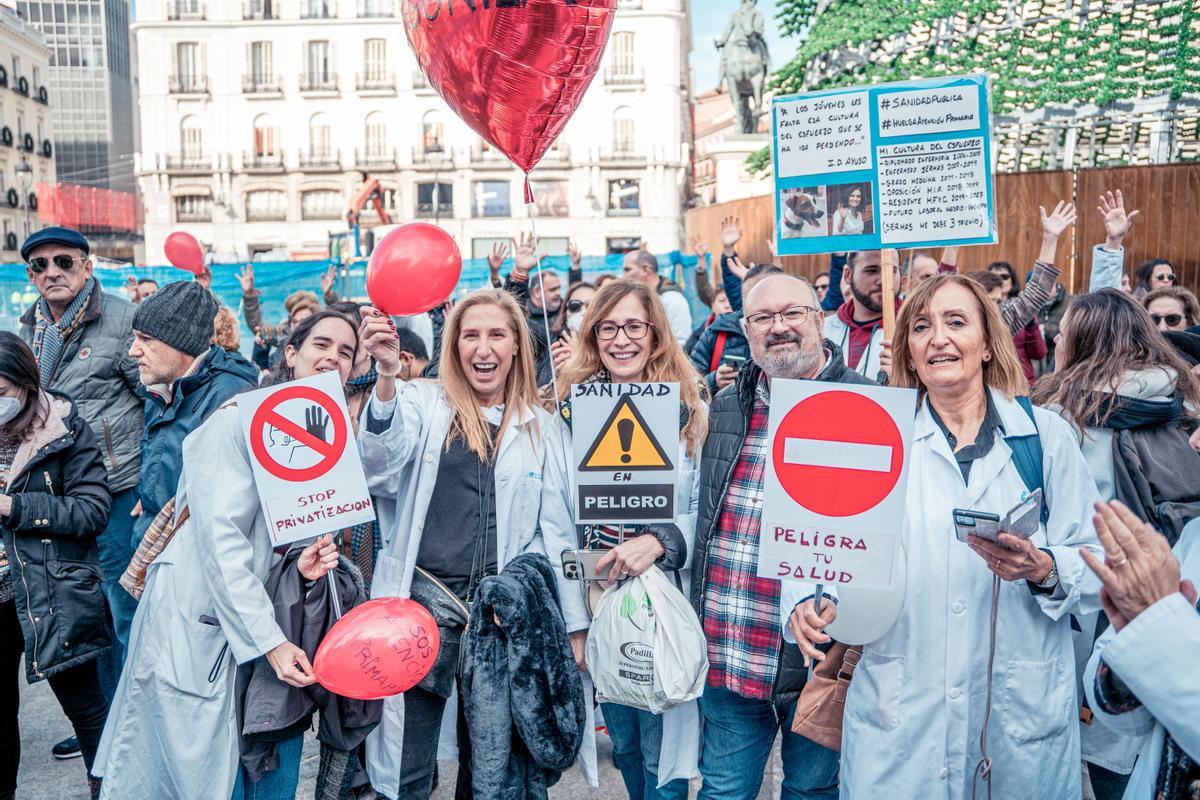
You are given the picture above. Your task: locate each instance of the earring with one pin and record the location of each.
(987, 357)
(912, 367)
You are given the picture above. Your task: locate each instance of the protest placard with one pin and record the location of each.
(893, 165)
(626, 451)
(837, 469)
(305, 458)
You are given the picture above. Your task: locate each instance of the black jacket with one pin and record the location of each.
(728, 424)
(726, 331)
(60, 503)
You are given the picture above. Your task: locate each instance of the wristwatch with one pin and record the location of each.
(1051, 579)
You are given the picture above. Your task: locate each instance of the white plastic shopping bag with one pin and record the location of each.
(646, 648)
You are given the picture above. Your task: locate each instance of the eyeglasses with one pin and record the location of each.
(792, 317)
(575, 306)
(634, 330)
(1166, 277)
(1172, 320)
(64, 262)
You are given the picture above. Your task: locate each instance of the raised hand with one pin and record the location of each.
(575, 254)
(496, 258)
(697, 246)
(204, 277)
(731, 234)
(1059, 220)
(736, 266)
(1117, 222)
(378, 335)
(327, 279)
(525, 256)
(246, 279)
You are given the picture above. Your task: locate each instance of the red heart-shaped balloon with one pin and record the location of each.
(514, 70)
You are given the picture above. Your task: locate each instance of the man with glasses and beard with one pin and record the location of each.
(753, 678)
(80, 336)
(857, 326)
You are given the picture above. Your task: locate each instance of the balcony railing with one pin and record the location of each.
(624, 75)
(372, 157)
(375, 82)
(260, 9)
(419, 82)
(189, 84)
(318, 82)
(434, 155)
(320, 159)
(189, 162)
(201, 215)
(262, 161)
(375, 8)
(487, 155)
(318, 9)
(262, 84)
(185, 9)
(622, 151)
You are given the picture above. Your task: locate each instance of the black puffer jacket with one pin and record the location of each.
(61, 501)
(728, 424)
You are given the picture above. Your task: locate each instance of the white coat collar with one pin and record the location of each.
(1013, 418)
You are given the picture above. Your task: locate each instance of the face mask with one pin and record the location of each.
(575, 321)
(9, 408)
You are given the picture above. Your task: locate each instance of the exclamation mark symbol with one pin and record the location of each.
(625, 433)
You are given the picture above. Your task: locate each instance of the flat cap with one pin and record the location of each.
(55, 235)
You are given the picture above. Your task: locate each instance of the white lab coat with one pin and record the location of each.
(172, 728)
(680, 753)
(915, 707)
(533, 514)
(1156, 656)
(838, 332)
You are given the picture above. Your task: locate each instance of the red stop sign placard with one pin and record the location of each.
(838, 454)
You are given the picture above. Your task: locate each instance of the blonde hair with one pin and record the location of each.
(225, 330)
(665, 364)
(1002, 372)
(520, 389)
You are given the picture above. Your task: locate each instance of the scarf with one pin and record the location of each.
(1133, 412)
(363, 383)
(49, 337)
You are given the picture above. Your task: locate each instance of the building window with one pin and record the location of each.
(551, 198)
(490, 199)
(193, 208)
(189, 67)
(321, 204)
(376, 135)
(266, 137)
(482, 248)
(320, 142)
(262, 64)
(622, 54)
(191, 139)
(618, 245)
(623, 130)
(426, 207)
(318, 65)
(266, 205)
(431, 132)
(375, 60)
(624, 198)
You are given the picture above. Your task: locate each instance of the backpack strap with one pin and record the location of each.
(1027, 456)
(718, 351)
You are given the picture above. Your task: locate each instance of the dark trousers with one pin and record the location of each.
(418, 760)
(77, 689)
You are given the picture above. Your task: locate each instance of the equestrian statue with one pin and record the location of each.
(745, 64)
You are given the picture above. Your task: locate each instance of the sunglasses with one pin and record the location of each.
(64, 262)
(575, 306)
(1166, 276)
(1172, 320)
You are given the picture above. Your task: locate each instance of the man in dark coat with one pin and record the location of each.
(186, 378)
(725, 336)
(740, 611)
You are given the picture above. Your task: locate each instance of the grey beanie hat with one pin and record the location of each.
(179, 314)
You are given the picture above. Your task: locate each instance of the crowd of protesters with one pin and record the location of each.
(1018, 664)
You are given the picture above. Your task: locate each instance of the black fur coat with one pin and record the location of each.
(522, 693)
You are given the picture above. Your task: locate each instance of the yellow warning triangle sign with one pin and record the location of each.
(625, 443)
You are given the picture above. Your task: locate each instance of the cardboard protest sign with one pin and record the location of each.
(891, 165)
(305, 459)
(626, 449)
(837, 471)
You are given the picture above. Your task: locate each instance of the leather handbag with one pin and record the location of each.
(819, 710)
(155, 540)
(451, 614)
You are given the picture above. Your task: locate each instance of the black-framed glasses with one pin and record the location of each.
(63, 261)
(1172, 320)
(634, 329)
(575, 306)
(792, 317)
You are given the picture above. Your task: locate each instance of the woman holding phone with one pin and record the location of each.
(978, 669)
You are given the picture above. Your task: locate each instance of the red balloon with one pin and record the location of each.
(380, 649)
(413, 269)
(185, 252)
(515, 74)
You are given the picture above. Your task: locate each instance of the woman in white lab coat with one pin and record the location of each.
(921, 694)
(478, 472)
(1142, 675)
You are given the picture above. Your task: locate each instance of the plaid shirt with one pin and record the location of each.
(741, 610)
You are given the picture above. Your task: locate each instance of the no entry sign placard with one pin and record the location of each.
(306, 467)
(837, 464)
